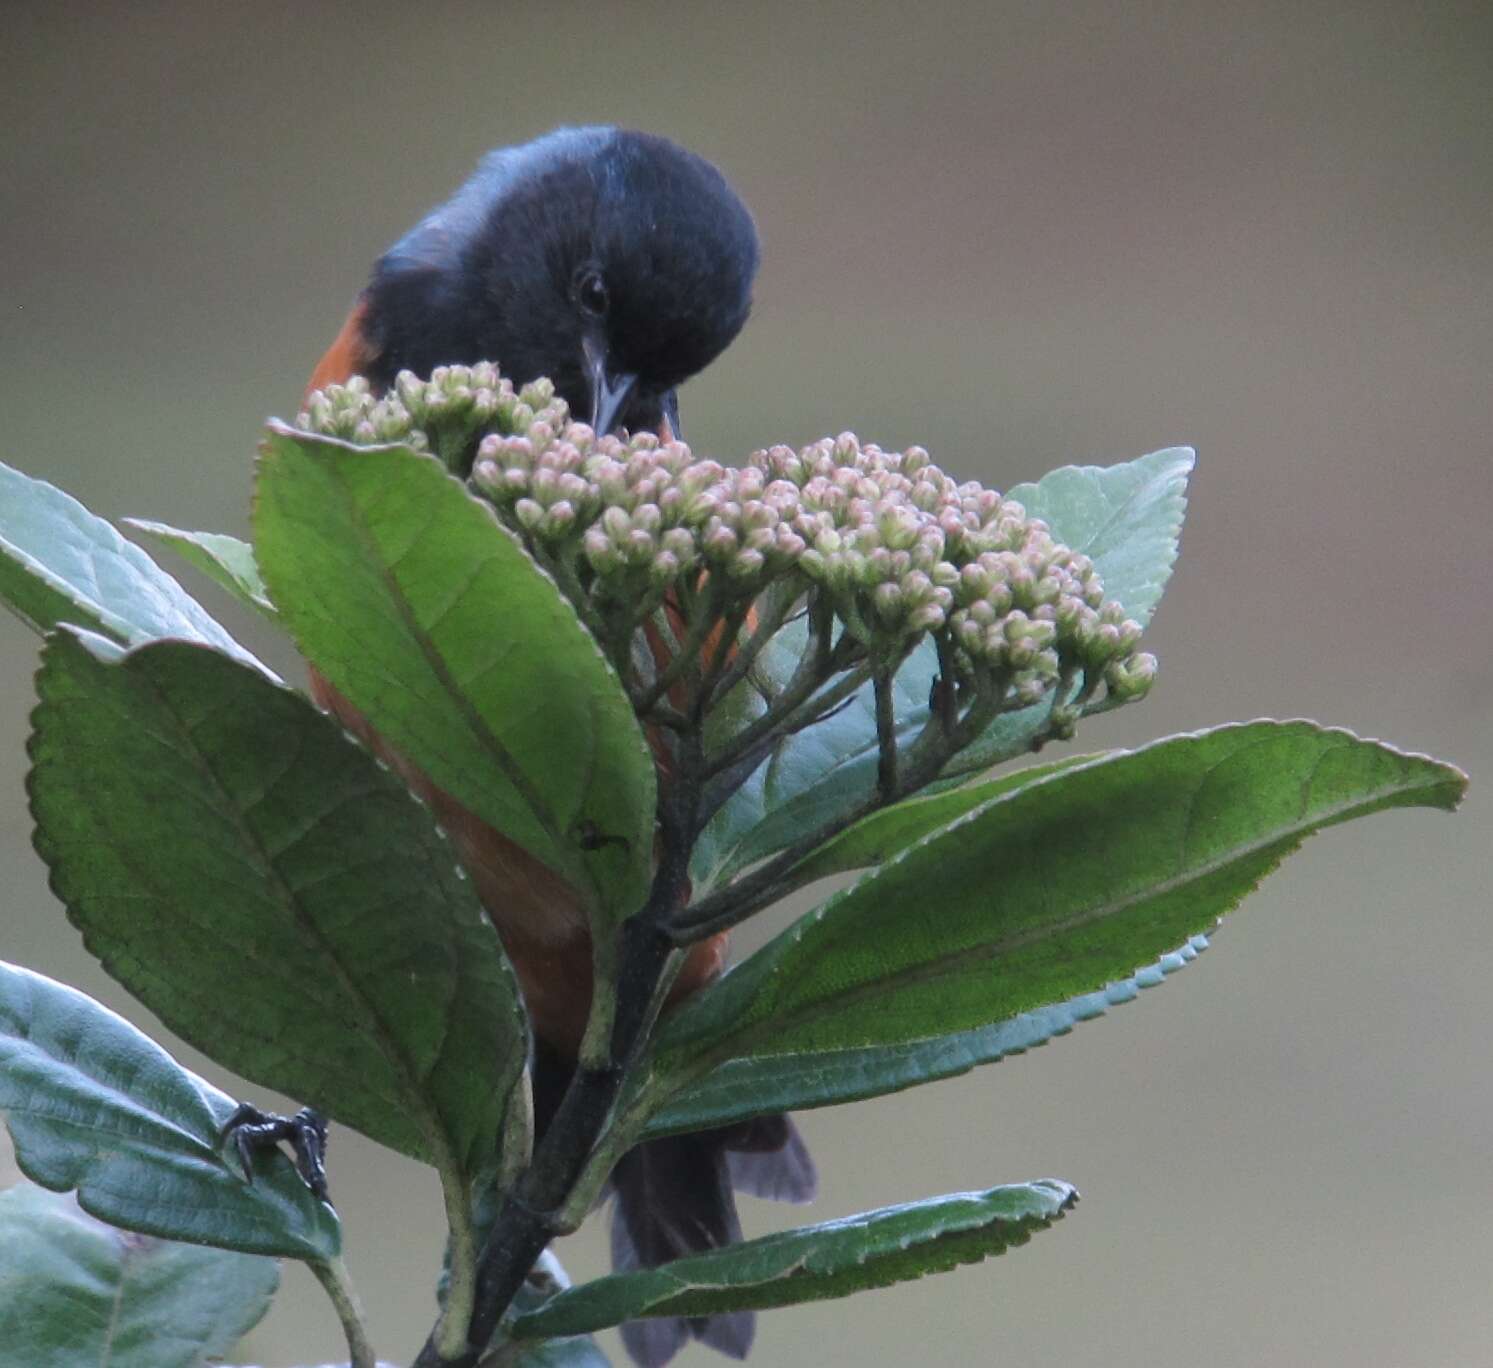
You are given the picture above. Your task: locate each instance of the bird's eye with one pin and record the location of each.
(591, 293)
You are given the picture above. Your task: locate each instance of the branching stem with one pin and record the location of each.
(932, 750)
(539, 1205)
(815, 667)
(553, 1192)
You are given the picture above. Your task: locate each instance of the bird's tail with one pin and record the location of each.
(676, 1196)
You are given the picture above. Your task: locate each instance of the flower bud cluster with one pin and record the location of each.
(905, 549)
(899, 548)
(355, 414)
(448, 413)
(640, 511)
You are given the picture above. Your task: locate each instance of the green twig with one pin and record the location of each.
(338, 1285)
(702, 621)
(813, 669)
(517, 1141)
(927, 756)
(461, 1281)
(539, 1205)
(720, 658)
(886, 737)
(769, 624)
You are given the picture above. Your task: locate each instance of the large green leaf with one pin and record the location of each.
(410, 597)
(1127, 518)
(74, 1291)
(274, 894)
(59, 563)
(1048, 892)
(771, 1083)
(95, 1105)
(813, 1263)
(225, 560)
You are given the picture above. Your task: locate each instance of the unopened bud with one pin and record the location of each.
(1130, 679)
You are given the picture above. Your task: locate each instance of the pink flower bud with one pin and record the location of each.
(745, 564)
(663, 570)
(559, 518)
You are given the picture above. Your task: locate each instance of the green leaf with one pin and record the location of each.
(876, 838)
(1126, 518)
(74, 1291)
(95, 1105)
(431, 618)
(225, 560)
(1047, 892)
(274, 895)
(894, 1244)
(762, 1086)
(59, 563)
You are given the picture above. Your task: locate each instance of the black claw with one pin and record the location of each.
(253, 1131)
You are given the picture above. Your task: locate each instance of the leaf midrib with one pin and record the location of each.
(435, 661)
(429, 1122)
(946, 966)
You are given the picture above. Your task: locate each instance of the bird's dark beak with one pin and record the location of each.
(668, 428)
(609, 390)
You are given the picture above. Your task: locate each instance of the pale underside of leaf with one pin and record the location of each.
(226, 560)
(96, 1106)
(1126, 518)
(760, 1086)
(74, 1291)
(59, 563)
(813, 1263)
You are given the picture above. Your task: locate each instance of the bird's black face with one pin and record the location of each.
(615, 263)
(669, 280)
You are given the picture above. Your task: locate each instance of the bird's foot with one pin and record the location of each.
(253, 1131)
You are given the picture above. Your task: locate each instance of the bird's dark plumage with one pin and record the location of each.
(618, 265)
(601, 258)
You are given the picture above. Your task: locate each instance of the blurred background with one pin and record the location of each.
(1023, 236)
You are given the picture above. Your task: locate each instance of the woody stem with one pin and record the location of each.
(531, 1214)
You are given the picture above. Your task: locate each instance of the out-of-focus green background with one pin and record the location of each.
(1022, 235)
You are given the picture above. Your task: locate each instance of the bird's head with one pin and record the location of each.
(615, 263)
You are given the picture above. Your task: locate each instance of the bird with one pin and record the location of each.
(617, 264)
